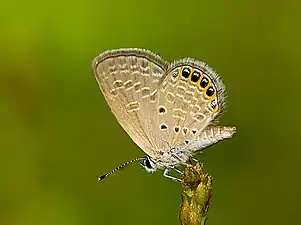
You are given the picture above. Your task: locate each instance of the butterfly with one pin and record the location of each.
(168, 109)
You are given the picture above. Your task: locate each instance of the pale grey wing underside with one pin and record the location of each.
(209, 136)
(186, 104)
(162, 106)
(129, 80)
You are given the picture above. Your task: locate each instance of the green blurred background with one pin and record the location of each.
(58, 134)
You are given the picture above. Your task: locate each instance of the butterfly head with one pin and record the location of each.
(149, 165)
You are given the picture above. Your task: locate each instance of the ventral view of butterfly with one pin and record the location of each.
(168, 109)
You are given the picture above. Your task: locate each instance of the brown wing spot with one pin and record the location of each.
(181, 91)
(194, 100)
(145, 92)
(144, 66)
(134, 63)
(189, 96)
(179, 114)
(180, 111)
(185, 130)
(195, 109)
(164, 85)
(199, 117)
(113, 92)
(132, 106)
(121, 62)
(155, 81)
(118, 84)
(153, 96)
(128, 85)
(170, 97)
(137, 86)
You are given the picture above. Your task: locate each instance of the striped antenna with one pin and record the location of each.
(118, 168)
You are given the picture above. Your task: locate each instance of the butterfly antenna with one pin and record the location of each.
(119, 167)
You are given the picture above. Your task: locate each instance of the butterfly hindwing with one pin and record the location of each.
(192, 96)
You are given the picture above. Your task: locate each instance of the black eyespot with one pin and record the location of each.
(213, 104)
(193, 131)
(186, 72)
(147, 164)
(187, 142)
(185, 130)
(163, 127)
(204, 82)
(162, 109)
(195, 76)
(210, 91)
(177, 129)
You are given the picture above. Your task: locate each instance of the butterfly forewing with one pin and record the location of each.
(129, 80)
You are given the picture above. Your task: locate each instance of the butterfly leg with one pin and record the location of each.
(179, 171)
(193, 160)
(166, 174)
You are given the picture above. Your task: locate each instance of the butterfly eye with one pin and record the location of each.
(210, 91)
(147, 164)
(186, 72)
(195, 76)
(204, 82)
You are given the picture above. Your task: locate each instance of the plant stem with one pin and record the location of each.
(196, 195)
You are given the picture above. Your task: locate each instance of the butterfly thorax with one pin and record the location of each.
(169, 159)
(174, 157)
